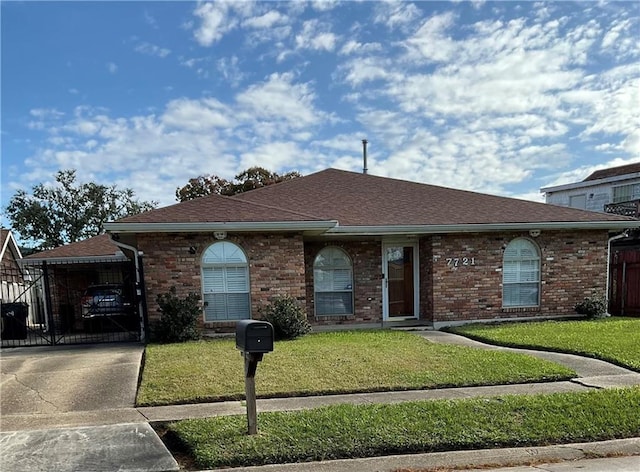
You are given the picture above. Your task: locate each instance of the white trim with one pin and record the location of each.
(220, 226)
(385, 280)
(139, 294)
(590, 183)
(481, 228)
(331, 227)
(14, 246)
(224, 265)
(74, 260)
(536, 246)
(607, 294)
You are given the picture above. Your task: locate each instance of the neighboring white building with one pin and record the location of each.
(614, 190)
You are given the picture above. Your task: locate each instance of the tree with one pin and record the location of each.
(249, 179)
(69, 212)
(202, 186)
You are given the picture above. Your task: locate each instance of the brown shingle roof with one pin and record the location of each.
(614, 172)
(356, 199)
(98, 246)
(219, 209)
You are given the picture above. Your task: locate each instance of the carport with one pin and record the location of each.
(62, 277)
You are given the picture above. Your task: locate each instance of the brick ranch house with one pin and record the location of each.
(361, 249)
(355, 249)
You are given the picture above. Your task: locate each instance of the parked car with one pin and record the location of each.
(104, 300)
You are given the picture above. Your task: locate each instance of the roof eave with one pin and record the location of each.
(481, 228)
(36, 261)
(273, 226)
(11, 243)
(590, 183)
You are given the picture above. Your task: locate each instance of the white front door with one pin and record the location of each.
(401, 281)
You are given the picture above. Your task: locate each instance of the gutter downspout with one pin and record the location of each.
(624, 234)
(136, 255)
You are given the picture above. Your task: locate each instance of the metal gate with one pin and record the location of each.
(624, 299)
(91, 302)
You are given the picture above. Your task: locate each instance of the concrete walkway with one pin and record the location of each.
(104, 435)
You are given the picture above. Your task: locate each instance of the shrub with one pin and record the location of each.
(288, 318)
(179, 318)
(593, 307)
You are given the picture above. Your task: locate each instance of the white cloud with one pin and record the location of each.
(46, 113)
(112, 67)
(150, 20)
(396, 13)
(275, 155)
(229, 69)
(268, 20)
(315, 35)
(614, 44)
(197, 115)
(215, 22)
(324, 5)
(431, 41)
(355, 47)
(278, 101)
(84, 127)
(152, 50)
(366, 69)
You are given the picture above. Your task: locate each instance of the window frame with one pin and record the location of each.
(332, 268)
(519, 259)
(633, 194)
(224, 265)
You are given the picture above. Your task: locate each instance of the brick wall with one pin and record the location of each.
(573, 266)
(367, 285)
(276, 266)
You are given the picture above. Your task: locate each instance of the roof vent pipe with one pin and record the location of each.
(364, 156)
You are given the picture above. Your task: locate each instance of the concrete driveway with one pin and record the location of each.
(61, 379)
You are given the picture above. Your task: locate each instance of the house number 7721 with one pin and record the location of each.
(461, 261)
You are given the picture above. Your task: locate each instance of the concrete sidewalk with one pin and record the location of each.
(103, 437)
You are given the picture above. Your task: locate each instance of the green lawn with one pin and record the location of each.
(613, 339)
(347, 431)
(326, 363)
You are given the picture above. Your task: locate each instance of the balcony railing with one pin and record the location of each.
(630, 208)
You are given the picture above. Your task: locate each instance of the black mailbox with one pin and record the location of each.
(254, 336)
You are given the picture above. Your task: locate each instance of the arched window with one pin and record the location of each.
(333, 282)
(521, 274)
(225, 283)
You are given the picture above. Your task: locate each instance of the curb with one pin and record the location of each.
(484, 458)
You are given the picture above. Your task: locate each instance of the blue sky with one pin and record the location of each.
(496, 97)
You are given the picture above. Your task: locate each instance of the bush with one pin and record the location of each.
(179, 318)
(288, 318)
(593, 307)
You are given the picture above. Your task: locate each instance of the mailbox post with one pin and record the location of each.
(253, 339)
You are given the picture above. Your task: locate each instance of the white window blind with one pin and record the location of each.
(225, 283)
(333, 282)
(521, 274)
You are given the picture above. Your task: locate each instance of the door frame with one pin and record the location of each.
(387, 243)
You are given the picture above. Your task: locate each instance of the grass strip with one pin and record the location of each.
(349, 431)
(331, 363)
(614, 339)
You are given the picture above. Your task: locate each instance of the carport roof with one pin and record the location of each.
(97, 249)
